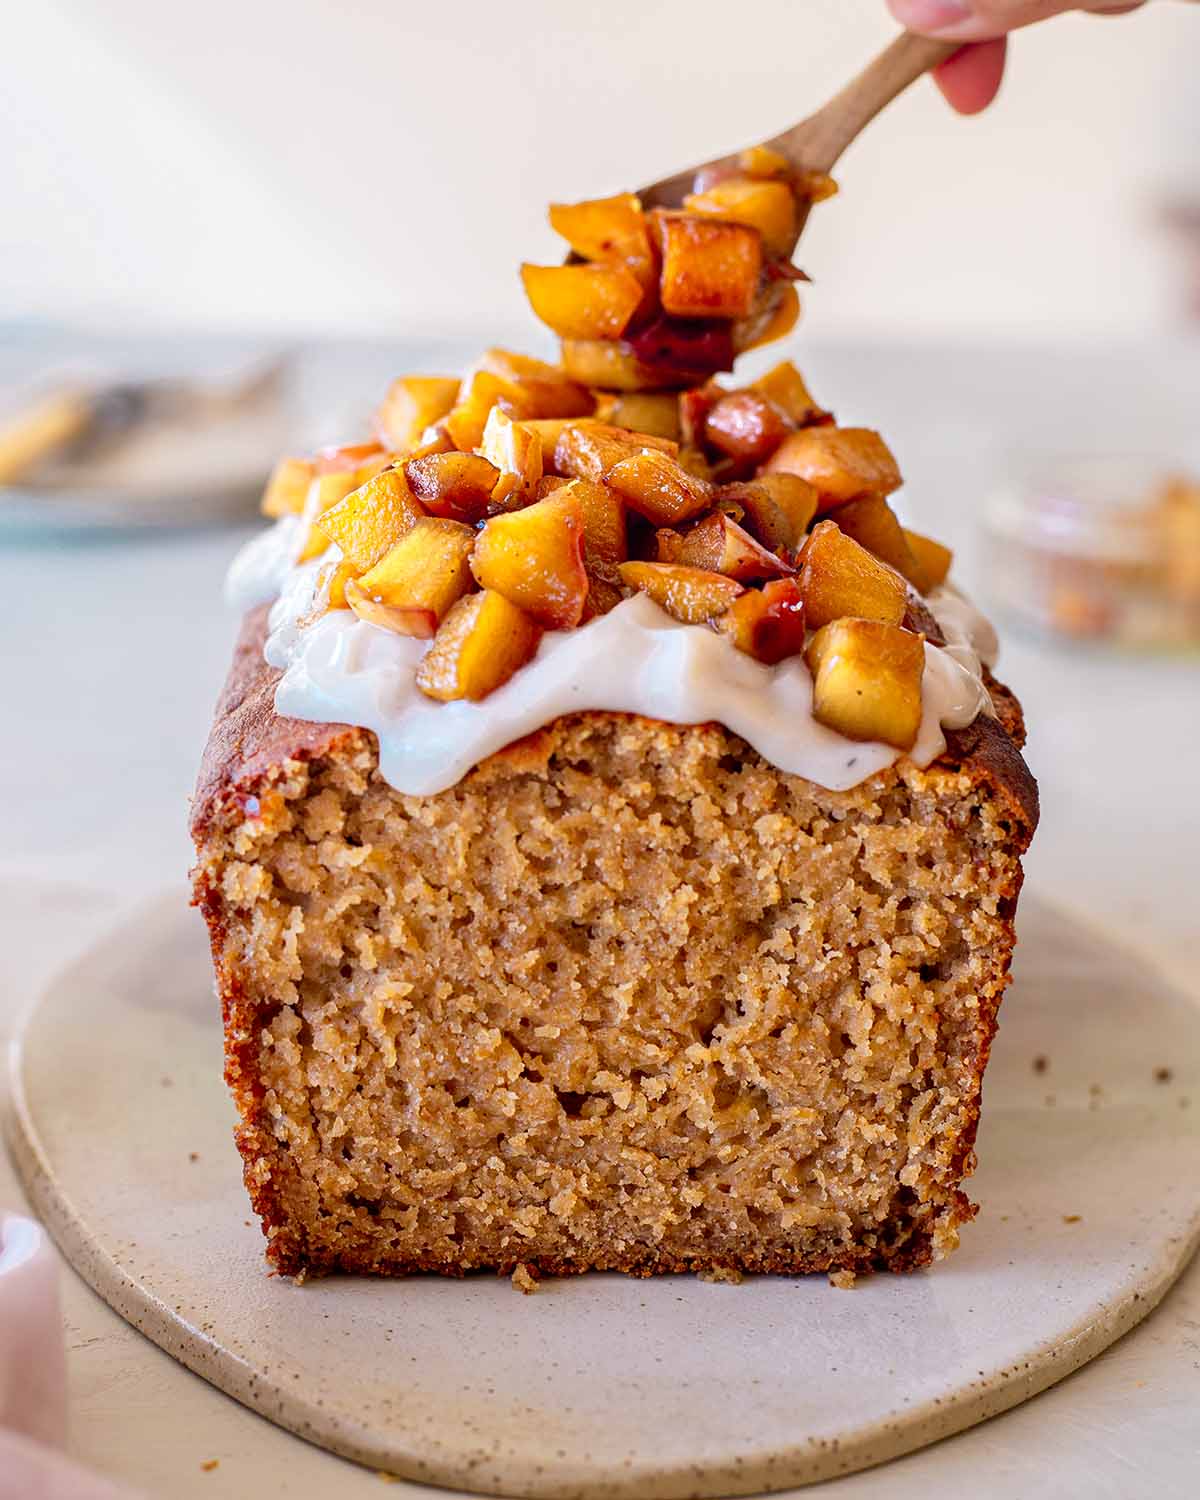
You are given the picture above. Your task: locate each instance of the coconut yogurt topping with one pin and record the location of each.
(634, 659)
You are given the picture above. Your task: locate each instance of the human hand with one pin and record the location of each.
(971, 78)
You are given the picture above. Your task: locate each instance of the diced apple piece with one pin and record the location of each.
(325, 491)
(932, 561)
(761, 161)
(746, 425)
(412, 588)
(775, 313)
(602, 596)
(815, 186)
(287, 488)
(873, 525)
(434, 439)
(609, 230)
(768, 623)
(369, 521)
(694, 407)
(517, 454)
(548, 483)
(330, 592)
(583, 302)
(785, 387)
(838, 577)
(478, 647)
(769, 207)
(842, 463)
(693, 462)
(454, 485)
(692, 595)
(652, 412)
(612, 365)
(531, 386)
(534, 557)
(719, 545)
(778, 509)
(413, 403)
(867, 680)
(346, 458)
(710, 269)
(655, 486)
(588, 450)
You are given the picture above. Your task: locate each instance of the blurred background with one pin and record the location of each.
(282, 205)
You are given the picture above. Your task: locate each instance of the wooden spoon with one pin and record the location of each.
(816, 143)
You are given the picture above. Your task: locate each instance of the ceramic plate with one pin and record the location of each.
(1089, 1181)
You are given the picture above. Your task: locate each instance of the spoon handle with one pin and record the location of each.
(816, 143)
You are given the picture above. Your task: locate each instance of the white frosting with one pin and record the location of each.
(635, 659)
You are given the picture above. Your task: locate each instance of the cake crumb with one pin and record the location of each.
(730, 1275)
(1072, 1218)
(1162, 1075)
(1040, 1063)
(524, 1280)
(843, 1280)
(209, 1465)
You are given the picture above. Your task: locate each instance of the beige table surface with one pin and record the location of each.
(113, 652)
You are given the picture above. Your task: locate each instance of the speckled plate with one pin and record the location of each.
(602, 1386)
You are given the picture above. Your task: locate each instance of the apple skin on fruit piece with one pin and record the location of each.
(411, 589)
(931, 558)
(769, 207)
(368, 522)
(873, 525)
(287, 488)
(583, 301)
(534, 557)
(746, 425)
(867, 680)
(692, 595)
(768, 623)
(479, 645)
(719, 545)
(456, 486)
(838, 577)
(413, 403)
(709, 268)
(841, 463)
(657, 488)
(779, 509)
(682, 351)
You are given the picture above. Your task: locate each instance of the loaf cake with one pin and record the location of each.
(610, 836)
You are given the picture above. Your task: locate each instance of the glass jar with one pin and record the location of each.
(1099, 549)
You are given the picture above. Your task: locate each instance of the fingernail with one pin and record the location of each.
(932, 15)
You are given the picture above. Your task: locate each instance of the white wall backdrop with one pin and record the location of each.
(298, 165)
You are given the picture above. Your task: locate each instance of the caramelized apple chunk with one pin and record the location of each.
(457, 486)
(478, 647)
(287, 488)
(534, 557)
(531, 386)
(614, 366)
(605, 542)
(838, 577)
(768, 206)
(778, 507)
(516, 452)
(873, 525)
(413, 403)
(588, 450)
(692, 595)
(583, 301)
(412, 588)
(932, 561)
(768, 623)
(785, 387)
(325, 491)
(746, 425)
(842, 463)
(710, 269)
(719, 545)
(655, 486)
(867, 680)
(612, 230)
(648, 412)
(370, 520)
